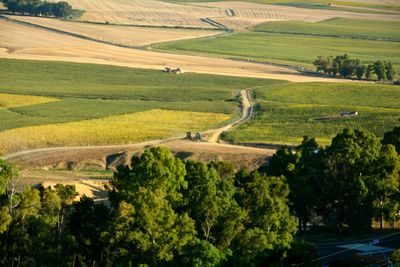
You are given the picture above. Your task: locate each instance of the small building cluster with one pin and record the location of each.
(173, 71)
(197, 137)
(349, 113)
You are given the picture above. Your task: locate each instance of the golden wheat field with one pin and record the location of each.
(120, 129)
(11, 101)
(126, 35)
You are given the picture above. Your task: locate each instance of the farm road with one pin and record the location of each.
(214, 136)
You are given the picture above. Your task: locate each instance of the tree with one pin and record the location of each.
(395, 257)
(210, 203)
(345, 167)
(389, 71)
(360, 70)
(380, 70)
(269, 225)
(369, 71)
(323, 64)
(384, 184)
(149, 230)
(393, 138)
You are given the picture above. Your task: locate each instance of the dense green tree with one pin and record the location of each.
(323, 64)
(360, 71)
(345, 166)
(385, 184)
(211, 204)
(389, 71)
(393, 138)
(269, 224)
(369, 71)
(380, 70)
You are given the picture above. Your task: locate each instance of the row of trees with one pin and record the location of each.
(39, 8)
(347, 184)
(162, 212)
(346, 67)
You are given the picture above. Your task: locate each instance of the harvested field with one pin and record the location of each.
(125, 35)
(248, 14)
(23, 42)
(149, 13)
(12, 101)
(125, 129)
(234, 15)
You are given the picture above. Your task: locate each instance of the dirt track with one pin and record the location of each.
(214, 136)
(24, 42)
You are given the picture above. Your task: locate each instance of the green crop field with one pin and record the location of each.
(297, 49)
(284, 114)
(95, 91)
(39, 97)
(337, 27)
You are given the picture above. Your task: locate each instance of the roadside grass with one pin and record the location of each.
(299, 50)
(10, 101)
(120, 129)
(337, 27)
(286, 114)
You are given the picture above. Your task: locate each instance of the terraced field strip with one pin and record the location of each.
(125, 35)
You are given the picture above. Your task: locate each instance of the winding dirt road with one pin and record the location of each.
(214, 136)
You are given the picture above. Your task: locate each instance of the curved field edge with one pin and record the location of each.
(123, 129)
(285, 114)
(12, 101)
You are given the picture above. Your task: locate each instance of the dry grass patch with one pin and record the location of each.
(121, 129)
(11, 101)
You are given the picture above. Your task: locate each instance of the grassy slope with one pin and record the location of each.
(285, 114)
(338, 27)
(297, 49)
(96, 91)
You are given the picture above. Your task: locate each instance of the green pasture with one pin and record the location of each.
(337, 27)
(285, 114)
(96, 91)
(298, 50)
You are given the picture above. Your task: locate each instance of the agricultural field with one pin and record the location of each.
(338, 27)
(350, 5)
(297, 49)
(12, 101)
(29, 44)
(52, 104)
(124, 35)
(284, 114)
(153, 124)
